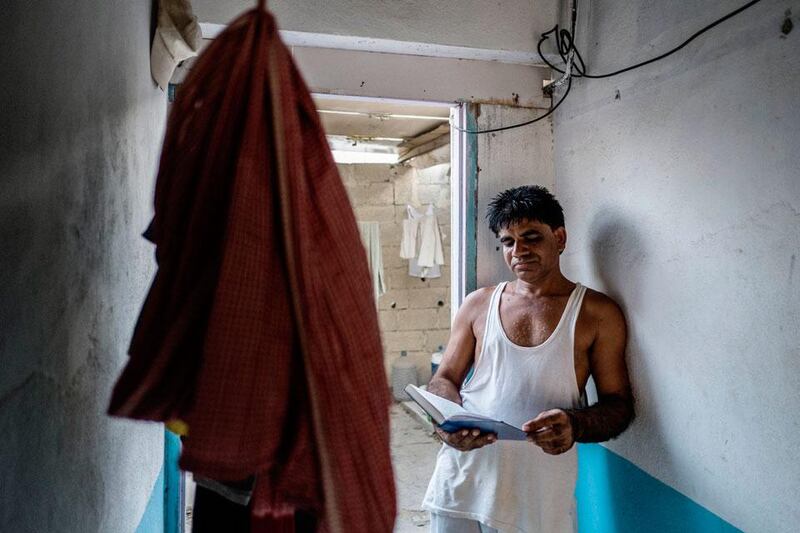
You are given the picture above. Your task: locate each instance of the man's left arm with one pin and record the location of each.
(557, 430)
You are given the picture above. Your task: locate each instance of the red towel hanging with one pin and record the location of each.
(259, 330)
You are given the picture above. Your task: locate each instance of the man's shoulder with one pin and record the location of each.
(477, 301)
(483, 292)
(600, 306)
(480, 296)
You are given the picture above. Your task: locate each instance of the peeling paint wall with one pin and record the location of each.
(522, 156)
(409, 77)
(682, 197)
(80, 135)
(501, 25)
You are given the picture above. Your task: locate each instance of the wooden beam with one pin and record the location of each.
(425, 137)
(424, 143)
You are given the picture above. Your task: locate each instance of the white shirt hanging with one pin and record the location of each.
(408, 242)
(371, 238)
(421, 243)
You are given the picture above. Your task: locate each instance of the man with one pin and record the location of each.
(533, 343)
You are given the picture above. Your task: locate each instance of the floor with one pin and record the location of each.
(414, 452)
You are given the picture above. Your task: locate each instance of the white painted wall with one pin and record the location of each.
(506, 159)
(498, 25)
(456, 50)
(404, 76)
(79, 140)
(410, 77)
(682, 200)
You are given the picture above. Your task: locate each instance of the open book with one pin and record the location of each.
(451, 417)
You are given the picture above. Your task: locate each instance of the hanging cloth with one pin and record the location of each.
(177, 38)
(371, 238)
(421, 243)
(408, 240)
(259, 331)
(430, 247)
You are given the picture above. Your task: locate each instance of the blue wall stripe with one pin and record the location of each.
(163, 511)
(153, 518)
(616, 496)
(172, 483)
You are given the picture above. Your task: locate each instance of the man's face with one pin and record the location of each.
(531, 249)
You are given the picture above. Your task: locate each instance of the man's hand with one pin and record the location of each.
(551, 431)
(466, 439)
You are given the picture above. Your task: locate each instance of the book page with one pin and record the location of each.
(444, 406)
(454, 417)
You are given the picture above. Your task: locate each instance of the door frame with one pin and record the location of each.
(463, 204)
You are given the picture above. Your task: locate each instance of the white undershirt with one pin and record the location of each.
(511, 485)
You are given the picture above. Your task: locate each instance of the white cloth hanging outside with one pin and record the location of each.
(421, 243)
(371, 237)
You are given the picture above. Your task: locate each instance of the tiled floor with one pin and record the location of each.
(414, 455)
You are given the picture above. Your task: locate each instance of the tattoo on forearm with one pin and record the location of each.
(602, 421)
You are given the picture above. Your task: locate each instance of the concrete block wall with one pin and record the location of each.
(410, 313)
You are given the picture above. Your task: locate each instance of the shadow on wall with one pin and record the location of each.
(613, 494)
(617, 256)
(617, 253)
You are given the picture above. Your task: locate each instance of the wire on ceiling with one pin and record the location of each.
(574, 66)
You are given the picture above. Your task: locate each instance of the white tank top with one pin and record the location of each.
(512, 485)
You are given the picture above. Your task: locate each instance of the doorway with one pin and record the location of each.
(394, 157)
(401, 162)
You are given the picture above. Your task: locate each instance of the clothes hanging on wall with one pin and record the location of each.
(421, 243)
(262, 300)
(178, 37)
(408, 242)
(371, 237)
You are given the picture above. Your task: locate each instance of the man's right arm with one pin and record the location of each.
(455, 365)
(456, 360)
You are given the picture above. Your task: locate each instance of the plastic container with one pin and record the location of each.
(404, 372)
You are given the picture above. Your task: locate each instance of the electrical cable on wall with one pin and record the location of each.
(537, 119)
(574, 66)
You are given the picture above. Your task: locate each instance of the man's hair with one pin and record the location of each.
(529, 202)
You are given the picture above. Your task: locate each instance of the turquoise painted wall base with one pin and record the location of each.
(173, 508)
(153, 518)
(616, 496)
(163, 511)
